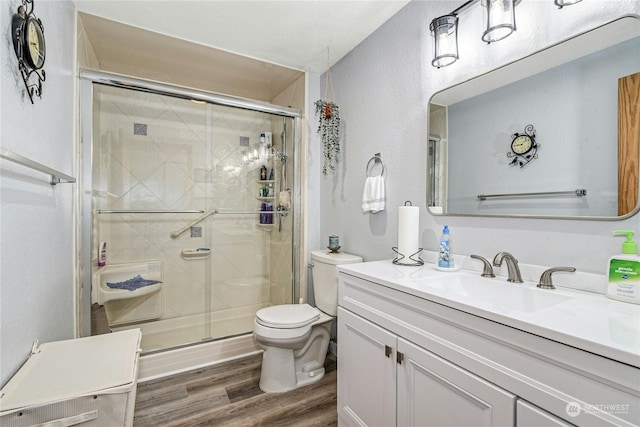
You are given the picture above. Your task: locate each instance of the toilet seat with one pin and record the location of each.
(287, 316)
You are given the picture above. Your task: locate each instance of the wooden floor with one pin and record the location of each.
(228, 395)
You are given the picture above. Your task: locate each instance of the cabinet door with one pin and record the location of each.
(528, 415)
(435, 392)
(366, 372)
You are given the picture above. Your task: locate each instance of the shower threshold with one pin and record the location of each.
(174, 333)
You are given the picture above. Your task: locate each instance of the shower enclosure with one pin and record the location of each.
(193, 190)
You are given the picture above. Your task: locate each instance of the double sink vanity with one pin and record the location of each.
(422, 347)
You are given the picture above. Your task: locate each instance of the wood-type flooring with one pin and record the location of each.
(228, 395)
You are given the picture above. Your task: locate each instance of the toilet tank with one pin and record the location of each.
(325, 278)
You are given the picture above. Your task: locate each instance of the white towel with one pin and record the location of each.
(373, 198)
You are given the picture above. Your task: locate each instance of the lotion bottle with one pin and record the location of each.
(623, 273)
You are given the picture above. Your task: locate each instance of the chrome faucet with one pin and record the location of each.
(512, 266)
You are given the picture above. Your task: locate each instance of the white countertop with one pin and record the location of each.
(585, 320)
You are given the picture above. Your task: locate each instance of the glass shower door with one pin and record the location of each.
(152, 175)
(205, 191)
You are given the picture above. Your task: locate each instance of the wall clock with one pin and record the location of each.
(29, 45)
(524, 147)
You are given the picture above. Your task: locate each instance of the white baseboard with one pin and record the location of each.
(333, 348)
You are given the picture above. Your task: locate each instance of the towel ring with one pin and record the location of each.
(375, 159)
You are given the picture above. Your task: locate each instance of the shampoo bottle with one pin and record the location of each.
(624, 272)
(445, 256)
(102, 254)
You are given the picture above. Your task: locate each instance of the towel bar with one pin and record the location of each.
(578, 193)
(56, 177)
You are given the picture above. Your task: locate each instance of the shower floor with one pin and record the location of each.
(171, 333)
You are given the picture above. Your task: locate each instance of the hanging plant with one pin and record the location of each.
(329, 130)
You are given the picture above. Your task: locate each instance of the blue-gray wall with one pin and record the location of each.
(383, 88)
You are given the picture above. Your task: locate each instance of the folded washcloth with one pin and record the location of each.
(133, 283)
(373, 198)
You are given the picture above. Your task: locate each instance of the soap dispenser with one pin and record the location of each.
(624, 272)
(445, 257)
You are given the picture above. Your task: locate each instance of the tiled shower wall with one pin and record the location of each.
(162, 153)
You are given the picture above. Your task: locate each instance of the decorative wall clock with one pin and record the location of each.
(29, 45)
(524, 147)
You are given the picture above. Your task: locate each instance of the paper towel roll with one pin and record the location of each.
(408, 232)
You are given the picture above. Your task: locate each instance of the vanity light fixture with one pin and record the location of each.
(500, 17)
(445, 33)
(562, 3)
(444, 30)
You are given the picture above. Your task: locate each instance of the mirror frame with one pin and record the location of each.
(520, 64)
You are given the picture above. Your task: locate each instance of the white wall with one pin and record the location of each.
(383, 87)
(36, 219)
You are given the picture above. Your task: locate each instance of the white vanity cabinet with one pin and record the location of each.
(434, 392)
(406, 360)
(529, 415)
(386, 381)
(366, 371)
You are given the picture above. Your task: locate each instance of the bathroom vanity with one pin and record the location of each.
(421, 347)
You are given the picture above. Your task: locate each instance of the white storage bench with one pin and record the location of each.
(89, 381)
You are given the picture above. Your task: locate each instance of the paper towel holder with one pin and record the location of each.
(414, 262)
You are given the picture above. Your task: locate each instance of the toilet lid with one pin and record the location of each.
(287, 316)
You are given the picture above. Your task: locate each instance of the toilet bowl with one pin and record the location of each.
(295, 337)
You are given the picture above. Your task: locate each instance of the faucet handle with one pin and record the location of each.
(487, 270)
(546, 282)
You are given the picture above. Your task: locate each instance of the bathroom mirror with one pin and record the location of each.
(579, 99)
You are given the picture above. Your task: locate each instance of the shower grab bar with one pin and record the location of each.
(206, 215)
(56, 176)
(129, 211)
(578, 193)
(213, 212)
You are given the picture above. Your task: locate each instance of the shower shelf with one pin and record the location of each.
(264, 183)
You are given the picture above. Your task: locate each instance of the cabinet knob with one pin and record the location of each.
(399, 357)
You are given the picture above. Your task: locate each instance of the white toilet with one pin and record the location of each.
(295, 337)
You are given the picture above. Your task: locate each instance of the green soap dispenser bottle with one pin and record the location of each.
(624, 272)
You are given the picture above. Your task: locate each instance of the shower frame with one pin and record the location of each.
(88, 78)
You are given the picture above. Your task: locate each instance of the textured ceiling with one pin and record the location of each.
(302, 34)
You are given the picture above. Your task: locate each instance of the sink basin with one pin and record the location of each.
(497, 294)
